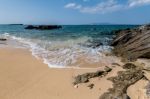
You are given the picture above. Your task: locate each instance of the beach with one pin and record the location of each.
(79, 71)
(25, 77)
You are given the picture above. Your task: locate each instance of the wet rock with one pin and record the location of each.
(43, 27)
(3, 39)
(133, 43)
(122, 82)
(91, 86)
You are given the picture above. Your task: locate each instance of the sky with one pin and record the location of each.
(74, 11)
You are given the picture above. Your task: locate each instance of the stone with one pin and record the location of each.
(107, 69)
(122, 82)
(91, 86)
(43, 27)
(129, 66)
(76, 86)
(84, 78)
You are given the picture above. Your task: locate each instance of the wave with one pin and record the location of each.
(59, 54)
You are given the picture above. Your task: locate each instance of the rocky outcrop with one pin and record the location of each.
(84, 78)
(132, 43)
(123, 81)
(43, 27)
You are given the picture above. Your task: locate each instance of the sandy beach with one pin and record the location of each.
(22, 76)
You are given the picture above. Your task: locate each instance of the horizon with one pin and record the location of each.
(75, 12)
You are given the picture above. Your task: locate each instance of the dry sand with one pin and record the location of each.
(22, 76)
(138, 90)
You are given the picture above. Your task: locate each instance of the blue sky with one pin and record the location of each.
(74, 11)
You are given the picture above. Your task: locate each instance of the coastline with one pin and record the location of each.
(25, 77)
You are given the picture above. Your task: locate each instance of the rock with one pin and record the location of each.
(129, 66)
(84, 78)
(133, 43)
(3, 39)
(76, 86)
(147, 75)
(148, 90)
(43, 27)
(116, 64)
(107, 69)
(122, 82)
(91, 86)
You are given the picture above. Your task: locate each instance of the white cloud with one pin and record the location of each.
(133, 3)
(102, 7)
(73, 6)
(107, 6)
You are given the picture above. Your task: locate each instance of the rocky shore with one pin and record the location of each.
(133, 46)
(132, 43)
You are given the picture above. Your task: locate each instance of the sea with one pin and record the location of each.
(70, 46)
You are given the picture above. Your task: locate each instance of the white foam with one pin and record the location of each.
(58, 54)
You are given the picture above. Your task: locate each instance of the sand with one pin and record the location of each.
(22, 76)
(138, 90)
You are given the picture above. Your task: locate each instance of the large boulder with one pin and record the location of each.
(133, 43)
(43, 27)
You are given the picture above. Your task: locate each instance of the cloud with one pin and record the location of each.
(107, 6)
(73, 6)
(102, 7)
(134, 3)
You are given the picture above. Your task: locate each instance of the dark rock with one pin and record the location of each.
(43, 27)
(15, 24)
(84, 78)
(122, 82)
(107, 69)
(129, 66)
(3, 39)
(91, 86)
(133, 43)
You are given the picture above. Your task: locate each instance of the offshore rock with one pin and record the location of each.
(43, 27)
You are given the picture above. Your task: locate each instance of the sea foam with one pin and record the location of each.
(59, 54)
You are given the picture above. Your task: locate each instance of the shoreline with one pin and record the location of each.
(25, 77)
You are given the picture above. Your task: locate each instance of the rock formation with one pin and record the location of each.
(123, 81)
(84, 78)
(132, 43)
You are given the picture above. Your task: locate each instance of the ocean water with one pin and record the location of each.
(64, 47)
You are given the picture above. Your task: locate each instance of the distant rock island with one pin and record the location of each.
(43, 27)
(15, 24)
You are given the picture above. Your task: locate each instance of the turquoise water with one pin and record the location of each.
(64, 46)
